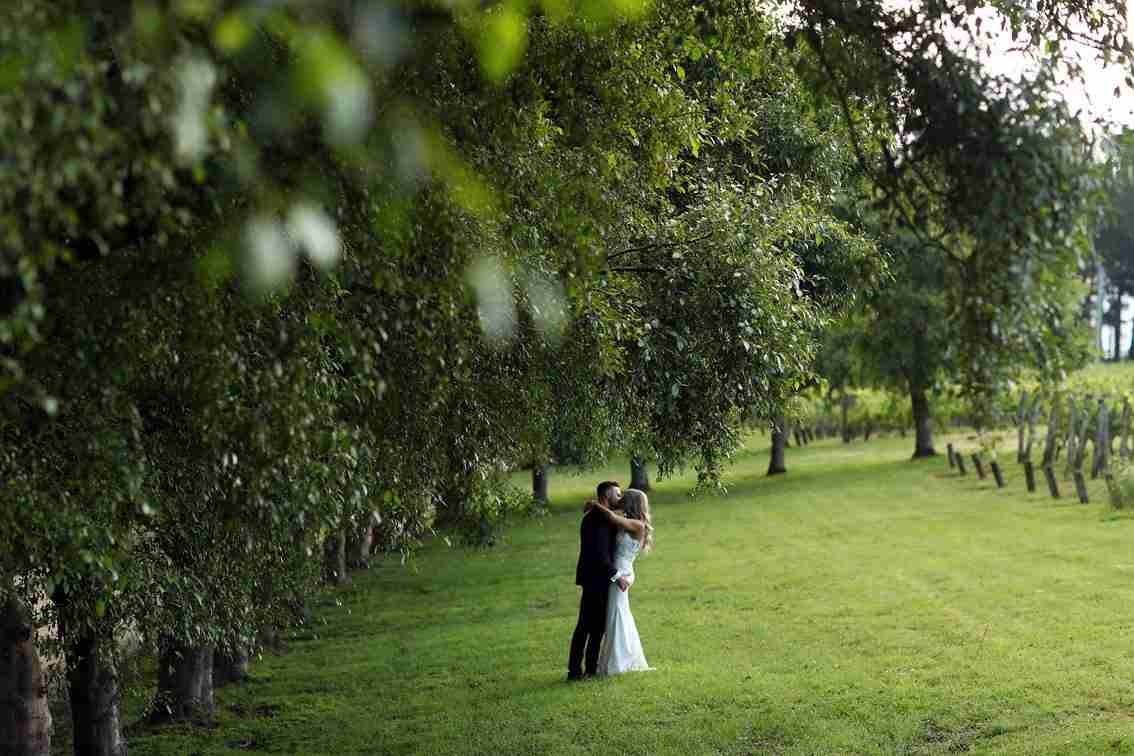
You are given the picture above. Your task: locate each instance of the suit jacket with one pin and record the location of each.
(596, 550)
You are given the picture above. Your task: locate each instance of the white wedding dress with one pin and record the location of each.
(621, 646)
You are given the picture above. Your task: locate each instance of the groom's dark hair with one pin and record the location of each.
(604, 488)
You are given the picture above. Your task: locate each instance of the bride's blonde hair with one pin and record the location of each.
(636, 505)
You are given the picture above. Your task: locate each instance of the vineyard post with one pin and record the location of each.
(996, 473)
(1081, 452)
(1069, 444)
(1052, 435)
(1081, 487)
(1052, 485)
(1033, 415)
(1101, 462)
(1049, 449)
(1124, 447)
(1081, 435)
(1021, 417)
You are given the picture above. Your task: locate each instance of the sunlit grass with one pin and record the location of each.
(860, 604)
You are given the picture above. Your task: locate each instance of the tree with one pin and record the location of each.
(1018, 200)
(905, 336)
(1114, 242)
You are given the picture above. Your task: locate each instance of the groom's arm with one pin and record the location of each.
(604, 544)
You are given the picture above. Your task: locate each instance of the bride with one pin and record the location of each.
(621, 646)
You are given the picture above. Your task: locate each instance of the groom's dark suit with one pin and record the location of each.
(595, 573)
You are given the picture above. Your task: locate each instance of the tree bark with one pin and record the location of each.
(230, 666)
(92, 682)
(845, 403)
(1049, 444)
(1116, 305)
(268, 638)
(358, 546)
(1081, 487)
(25, 719)
(923, 429)
(1130, 352)
(334, 557)
(1052, 485)
(185, 683)
(776, 465)
(995, 466)
(1100, 461)
(1021, 425)
(539, 483)
(639, 474)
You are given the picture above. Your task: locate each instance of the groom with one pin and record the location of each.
(595, 572)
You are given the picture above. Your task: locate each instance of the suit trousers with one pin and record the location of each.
(590, 628)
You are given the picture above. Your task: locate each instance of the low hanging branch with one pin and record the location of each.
(660, 245)
(637, 269)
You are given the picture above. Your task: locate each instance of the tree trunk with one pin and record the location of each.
(1130, 352)
(230, 666)
(923, 442)
(845, 402)
(185, 683)
(358, 546)
(539, 483)
(995, 466)
(1021, 426)
(1030, 475)
(25, 719)
(92, 682)
(334, 557)
(1052, 485)
(776, 465)
(1124, 447)
(268, 638)
(639, 474)
(1116, 305)
(1081, 487)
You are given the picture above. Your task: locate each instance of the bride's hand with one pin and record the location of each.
(588, 505)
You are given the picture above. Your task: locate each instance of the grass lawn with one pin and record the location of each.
(862, 603)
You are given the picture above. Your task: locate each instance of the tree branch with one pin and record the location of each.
(662, 245)
(636, 269)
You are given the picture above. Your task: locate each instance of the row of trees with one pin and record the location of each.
(1114, 244)
(914, 334)
(266, 278)
(270, 269)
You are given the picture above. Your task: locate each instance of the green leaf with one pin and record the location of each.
(503, 40)
(233, 32)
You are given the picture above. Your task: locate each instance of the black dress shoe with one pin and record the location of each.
(574, 677)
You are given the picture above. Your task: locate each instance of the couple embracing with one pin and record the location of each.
(616, 528)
